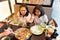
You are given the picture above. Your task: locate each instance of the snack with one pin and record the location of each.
(22, 33)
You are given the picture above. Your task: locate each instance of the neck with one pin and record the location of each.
(38, 16)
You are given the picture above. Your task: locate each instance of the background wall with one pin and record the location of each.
(47, 10)
(12, 2)
(4, 10)
(56, 13)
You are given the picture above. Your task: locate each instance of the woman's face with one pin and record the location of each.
(23, 10)
(52, 23)
(37, 12)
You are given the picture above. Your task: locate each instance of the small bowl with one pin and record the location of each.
(6, 38)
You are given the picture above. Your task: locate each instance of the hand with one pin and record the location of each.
(8, 31)
(50, 31)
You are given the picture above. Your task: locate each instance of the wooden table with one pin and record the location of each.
(39, 37)
(33, 37)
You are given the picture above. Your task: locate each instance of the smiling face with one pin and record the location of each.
(52, 23)
(37, 12)
(23, 11)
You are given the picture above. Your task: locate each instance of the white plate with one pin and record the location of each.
(37, 30)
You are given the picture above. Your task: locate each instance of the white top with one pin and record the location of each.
(40, 20)
(30, 18)
(26, 18)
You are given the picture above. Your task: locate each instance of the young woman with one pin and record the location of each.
(24, 15)
(39, 15)
(52, 30)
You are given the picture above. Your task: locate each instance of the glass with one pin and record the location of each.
(15, 21)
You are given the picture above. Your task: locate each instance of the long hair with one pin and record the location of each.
(26, 9)
(53, 21)
(40, 9)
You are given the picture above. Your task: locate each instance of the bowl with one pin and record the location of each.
(37, 30)
(6, 38)
(22, 33)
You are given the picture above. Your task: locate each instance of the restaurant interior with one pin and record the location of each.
(29, 20)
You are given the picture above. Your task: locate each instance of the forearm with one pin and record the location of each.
(2, 34)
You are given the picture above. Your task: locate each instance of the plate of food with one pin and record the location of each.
(22, 33)
(37, 30)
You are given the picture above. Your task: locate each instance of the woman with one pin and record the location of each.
(52, 29)
(39, 15)
(24, 15)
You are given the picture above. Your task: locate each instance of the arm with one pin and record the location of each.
(30, 18)
(6, 32)
(45, 19)
(2, 34)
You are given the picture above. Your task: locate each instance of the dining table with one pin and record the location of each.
(33, 37)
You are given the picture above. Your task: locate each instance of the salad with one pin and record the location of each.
(37, 30)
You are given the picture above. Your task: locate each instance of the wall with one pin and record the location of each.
(47, 10)
(4, 10)
(12, 5)
(56, 13)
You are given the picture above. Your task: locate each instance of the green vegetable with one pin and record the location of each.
(41, 29)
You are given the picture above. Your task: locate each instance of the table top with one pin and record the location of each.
(33, 37)
(39, 37)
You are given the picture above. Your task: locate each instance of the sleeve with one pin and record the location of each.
(45, 18)
(30, 18)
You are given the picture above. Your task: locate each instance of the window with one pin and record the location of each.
(4, 10)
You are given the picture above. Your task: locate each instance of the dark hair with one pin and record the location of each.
(40, 9)
(23, 5)
(53, 21)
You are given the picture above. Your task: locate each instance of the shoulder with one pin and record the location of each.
(45, 15)
(29, 14)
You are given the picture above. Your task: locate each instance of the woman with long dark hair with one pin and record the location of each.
(51, 33)
(24, 14)
(40, 15)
